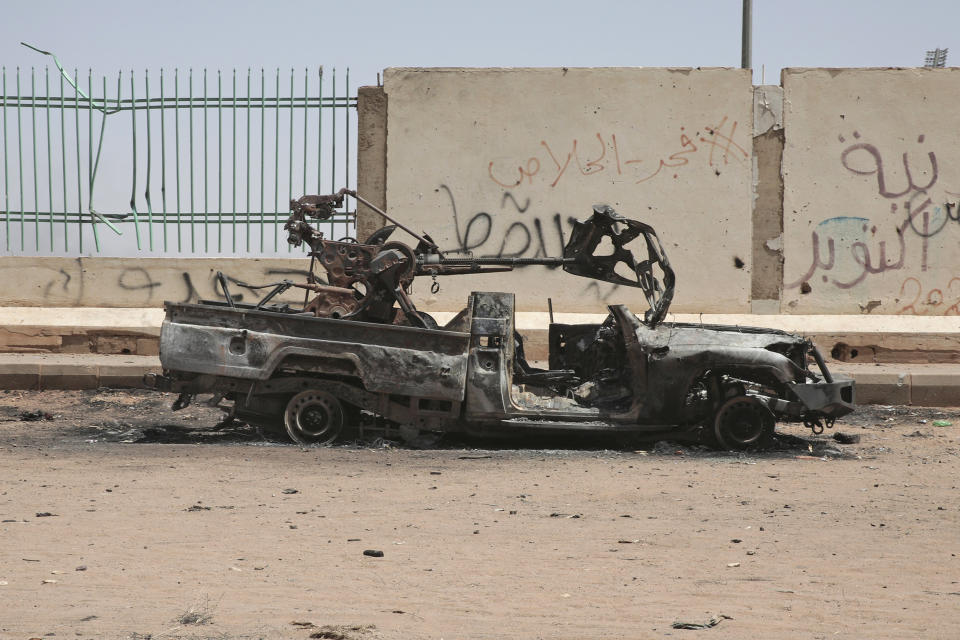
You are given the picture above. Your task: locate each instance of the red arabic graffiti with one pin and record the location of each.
(603, 154)
(911, 292)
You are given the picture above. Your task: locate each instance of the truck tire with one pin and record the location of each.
(315, 416)
(742, 422)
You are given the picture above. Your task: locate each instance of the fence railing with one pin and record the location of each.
(171, 162)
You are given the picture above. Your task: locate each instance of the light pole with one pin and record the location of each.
(746, 33)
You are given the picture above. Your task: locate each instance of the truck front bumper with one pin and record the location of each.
(824, 399)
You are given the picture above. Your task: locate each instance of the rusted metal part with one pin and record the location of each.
(317, 207)
(360, 343)
(385, 268)
(345, 262)
(332, 302)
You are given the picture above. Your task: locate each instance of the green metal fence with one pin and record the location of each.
(171, 162)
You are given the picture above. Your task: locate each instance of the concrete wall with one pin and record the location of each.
(871, 157)
(371, 158)
(767, 274)
(142, 282)
(825, 195)
(498, 161)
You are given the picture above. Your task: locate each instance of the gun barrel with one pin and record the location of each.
(490, 261)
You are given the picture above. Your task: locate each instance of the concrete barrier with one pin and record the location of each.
(847, 207)
(498, 162)
(869, 165)
(832, 194)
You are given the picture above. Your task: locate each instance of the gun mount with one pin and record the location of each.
(370, 281)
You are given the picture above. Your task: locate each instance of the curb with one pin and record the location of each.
(35, 373)
(931, 385)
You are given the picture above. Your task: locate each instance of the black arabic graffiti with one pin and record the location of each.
(529, 233)
(128, 280)
(519, 236)
(145, 288)
(192, 295)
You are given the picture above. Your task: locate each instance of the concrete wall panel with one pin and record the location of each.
(140, 282)
(870, 162)
(768, 203)
(498, 161)
(371, 158)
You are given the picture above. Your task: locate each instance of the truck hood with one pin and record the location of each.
(705, 335)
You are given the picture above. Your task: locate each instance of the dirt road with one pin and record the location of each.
(122, 520)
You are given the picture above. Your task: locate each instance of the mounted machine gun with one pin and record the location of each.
(365, 280)
(315, 368)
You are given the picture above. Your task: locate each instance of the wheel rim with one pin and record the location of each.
(741, 422)
(313, 417)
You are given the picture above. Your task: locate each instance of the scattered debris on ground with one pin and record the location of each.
(846, 438)
(342, 632)
(712, 622)
(131, 500)
(34, 416)
(139, 416)
(199, 613)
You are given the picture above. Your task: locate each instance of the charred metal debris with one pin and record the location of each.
(359, 346)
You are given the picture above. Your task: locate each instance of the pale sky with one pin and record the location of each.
(111, 36)
(369, 36)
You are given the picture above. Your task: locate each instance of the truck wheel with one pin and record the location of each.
(742, 421)
(314, 417)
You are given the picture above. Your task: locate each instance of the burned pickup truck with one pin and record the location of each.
(359, 344)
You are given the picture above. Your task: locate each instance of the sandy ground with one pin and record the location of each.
(123, 520)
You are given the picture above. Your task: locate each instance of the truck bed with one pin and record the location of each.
(253, 344)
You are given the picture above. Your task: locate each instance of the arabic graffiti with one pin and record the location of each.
(839, 228)
(912, 292)
(139, 286)
(533, 236)
(846, 250)
(878, 170)
(480, 234)
(601, 153)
